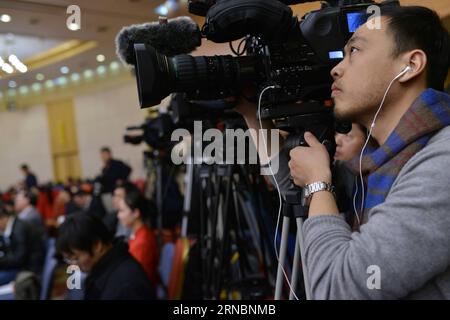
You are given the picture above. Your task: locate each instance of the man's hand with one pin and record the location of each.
(310, 164)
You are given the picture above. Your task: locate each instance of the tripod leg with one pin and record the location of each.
(295, 269)
(282, 258)
(302, 252)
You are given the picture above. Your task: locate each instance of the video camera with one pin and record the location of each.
(155, 132)
(295, 56)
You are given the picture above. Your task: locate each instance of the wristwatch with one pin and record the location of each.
(314, 187)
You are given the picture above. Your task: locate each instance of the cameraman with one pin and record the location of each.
(401, 249)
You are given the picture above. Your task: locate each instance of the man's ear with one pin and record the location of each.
(97, 248)
(417, 61)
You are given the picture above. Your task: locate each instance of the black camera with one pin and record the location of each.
(154, 132)
(295, 56)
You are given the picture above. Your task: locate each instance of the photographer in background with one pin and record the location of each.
(30, 180)
(391, 81)
(113, 171)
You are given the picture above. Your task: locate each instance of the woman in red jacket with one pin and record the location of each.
(134, 213)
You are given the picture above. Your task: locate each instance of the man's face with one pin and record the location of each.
(20, 202)
(106, 156)
(84, 259)
(80, 200)
(349, 145)
(362, 78)
(119, 194)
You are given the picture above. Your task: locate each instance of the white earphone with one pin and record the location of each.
(407, 69)
(403, 72)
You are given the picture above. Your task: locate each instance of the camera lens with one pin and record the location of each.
(199, 77)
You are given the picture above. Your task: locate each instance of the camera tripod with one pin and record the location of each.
(225, 213)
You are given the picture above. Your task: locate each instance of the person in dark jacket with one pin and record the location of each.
(113, 274)
(14, 246)
(88, 203)
(30, 179)
(113, 171)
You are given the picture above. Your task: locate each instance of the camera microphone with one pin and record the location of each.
(180, 35)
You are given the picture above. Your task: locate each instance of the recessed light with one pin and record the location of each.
(75, 77)
(101, 70)
(64, 70)
(114, 66)
(61, 81)
(5, 18)
(40, 77)
(88, 74)
(100, 58)
(36, 87)
(12, 84)
(24, 90)
(49, 84)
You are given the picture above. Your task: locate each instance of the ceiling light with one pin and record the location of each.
(114, 66)
(22, 68)
(64, 70)
(101, 58)
(49, 84)
(36, 87)
(75, 77)
(6, 67)
(5, 18)
(88, 74)
(40, 77)
(61, 81)
(101, 70)
(24, 90)
(162, 10)
(12, 84)
(17, 63)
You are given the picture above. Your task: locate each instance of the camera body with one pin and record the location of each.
(296, 56)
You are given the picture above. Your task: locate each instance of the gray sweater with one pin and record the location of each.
(406, 239)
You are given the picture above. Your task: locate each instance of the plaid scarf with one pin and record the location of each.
(427, 115)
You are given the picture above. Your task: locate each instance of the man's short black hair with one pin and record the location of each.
(32, 197)
(81, 231)
(415, 27)
(105, 149)
(24, 167)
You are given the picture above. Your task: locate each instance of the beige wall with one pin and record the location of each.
(24, 137)
(101, 120)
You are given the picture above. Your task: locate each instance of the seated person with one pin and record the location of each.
(85, 201)
(14, 246)
(24, 205)
(113, 274)
(111, 220)
(134, 211)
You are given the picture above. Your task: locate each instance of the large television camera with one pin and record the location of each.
(295, 56)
